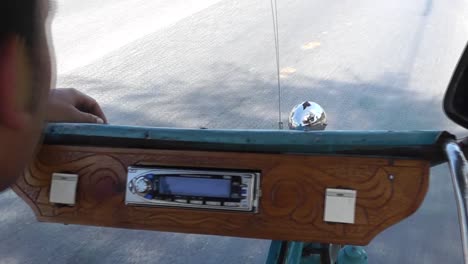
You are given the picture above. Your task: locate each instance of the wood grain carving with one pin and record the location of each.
(291, 208)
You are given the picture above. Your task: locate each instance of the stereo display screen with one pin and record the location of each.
(194, 186)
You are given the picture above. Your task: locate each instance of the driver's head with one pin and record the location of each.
(25, 80)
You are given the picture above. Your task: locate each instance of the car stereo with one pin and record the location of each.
(193, 188)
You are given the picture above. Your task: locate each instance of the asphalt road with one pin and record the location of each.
(210, 63)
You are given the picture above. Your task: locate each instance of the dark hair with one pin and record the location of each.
(18, 17)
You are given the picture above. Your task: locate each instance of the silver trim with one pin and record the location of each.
(459, 172)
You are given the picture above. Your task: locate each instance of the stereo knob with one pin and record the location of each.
(142, 185)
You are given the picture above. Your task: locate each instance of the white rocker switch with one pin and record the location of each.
(63, 188)
(340, 205)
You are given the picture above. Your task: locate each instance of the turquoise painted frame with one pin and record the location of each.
(412, 144)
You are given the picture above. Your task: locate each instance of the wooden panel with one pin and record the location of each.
(291, 207)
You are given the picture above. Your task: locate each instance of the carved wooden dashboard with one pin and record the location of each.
(291, 206)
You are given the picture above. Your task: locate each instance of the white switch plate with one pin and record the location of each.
(63, 188)
(340, 205)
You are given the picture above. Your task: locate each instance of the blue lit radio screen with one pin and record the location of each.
(191, 186)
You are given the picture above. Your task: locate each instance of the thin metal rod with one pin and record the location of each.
(274, 13)
(459, 171)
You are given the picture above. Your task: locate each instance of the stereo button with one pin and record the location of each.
(142, 185)
(180, 200)
(231, 204)
(196, 202)
(212, 203)
(149, 176)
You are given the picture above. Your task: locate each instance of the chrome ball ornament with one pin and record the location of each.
(307, 116)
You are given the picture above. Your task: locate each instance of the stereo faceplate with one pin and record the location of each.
(193, 188)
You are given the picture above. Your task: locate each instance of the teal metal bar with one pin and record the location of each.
(294, 253)
(274, 252)
(286, 252)
(352, 255)
(386, 143)
(291, 252)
